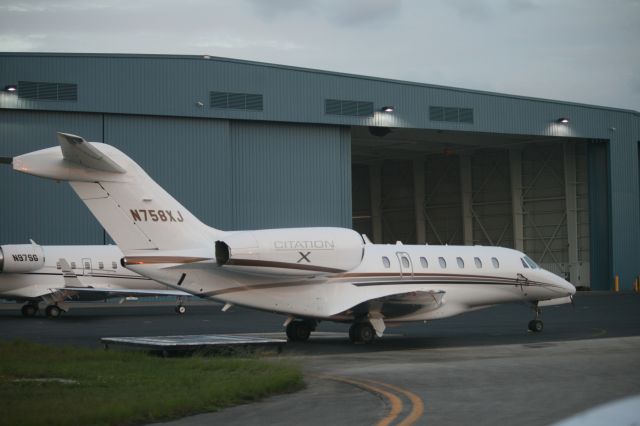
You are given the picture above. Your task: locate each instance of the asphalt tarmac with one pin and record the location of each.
(483, 367)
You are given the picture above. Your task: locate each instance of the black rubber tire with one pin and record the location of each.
(365, 333)
(53, 311)
(536, 326)
(352, 333)
(29, 310)
(298, 331)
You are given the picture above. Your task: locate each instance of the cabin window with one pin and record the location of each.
(114, 265)
(405, 262)
(87, 265)
(386, 262)
(442, 262)
(101, 265)
(495, 262)
(424, 263)
(524, 263)
(58, 265)
(73, 265)
(460, 262)
(478, 262)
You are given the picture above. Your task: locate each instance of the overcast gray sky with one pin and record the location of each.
(575, 50)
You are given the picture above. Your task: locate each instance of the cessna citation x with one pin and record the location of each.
(55, 274)
(309, 274)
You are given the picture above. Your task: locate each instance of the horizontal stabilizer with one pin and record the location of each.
(77, 150)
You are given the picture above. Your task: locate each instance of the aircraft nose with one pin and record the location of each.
(571, 289)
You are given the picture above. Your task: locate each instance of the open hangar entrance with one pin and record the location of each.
(530, 193)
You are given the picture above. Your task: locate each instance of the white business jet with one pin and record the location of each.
(309, 274)
(54, 275)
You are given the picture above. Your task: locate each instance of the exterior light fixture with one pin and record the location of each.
(10, 88)
(563, 120)
(388, 108)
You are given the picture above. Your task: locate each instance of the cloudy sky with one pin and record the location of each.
(575, 50)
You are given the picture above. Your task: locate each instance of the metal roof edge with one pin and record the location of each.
(317, 71)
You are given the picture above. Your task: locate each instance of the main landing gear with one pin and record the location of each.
(361, 332)
(536, 325)
(29, 310)
(300, 330)
(53, 311)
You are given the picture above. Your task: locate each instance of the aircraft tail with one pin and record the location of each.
(136, 212)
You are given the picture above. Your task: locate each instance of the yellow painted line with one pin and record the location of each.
(417, 405)
(396, 403)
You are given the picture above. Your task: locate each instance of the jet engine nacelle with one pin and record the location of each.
(292, 251)
(21, 257)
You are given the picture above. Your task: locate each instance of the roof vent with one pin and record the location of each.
(227, 100)
(451, 114)
(351, 108)
(47, 91)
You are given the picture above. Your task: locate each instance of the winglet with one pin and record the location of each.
(77, 150)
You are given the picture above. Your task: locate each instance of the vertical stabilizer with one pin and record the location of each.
(136, 212)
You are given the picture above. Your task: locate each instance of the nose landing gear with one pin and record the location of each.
(536, 325)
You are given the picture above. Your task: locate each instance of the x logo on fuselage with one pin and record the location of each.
(304, 257)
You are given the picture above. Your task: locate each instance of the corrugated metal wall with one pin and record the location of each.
(600, 215)
(289, 175)
(232, 175)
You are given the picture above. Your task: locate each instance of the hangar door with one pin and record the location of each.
(528, 193)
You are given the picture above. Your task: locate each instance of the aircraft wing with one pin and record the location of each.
(110, 292)
(401, 303)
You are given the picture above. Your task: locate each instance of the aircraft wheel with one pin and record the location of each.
(29, 310)
(298, 331)
(536, 326)
(181, 309)
(362, 333)
(352, 332)
(53, 311)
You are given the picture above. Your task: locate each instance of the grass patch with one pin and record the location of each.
(76, 386)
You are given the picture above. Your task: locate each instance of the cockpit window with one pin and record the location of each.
(531, 263)
(524, 263)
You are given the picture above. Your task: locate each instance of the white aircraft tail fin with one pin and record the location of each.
(136, 212)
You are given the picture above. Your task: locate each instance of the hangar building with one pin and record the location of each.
(253, 145)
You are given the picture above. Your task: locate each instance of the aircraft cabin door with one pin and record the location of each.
(86, 266)
(406, 266)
